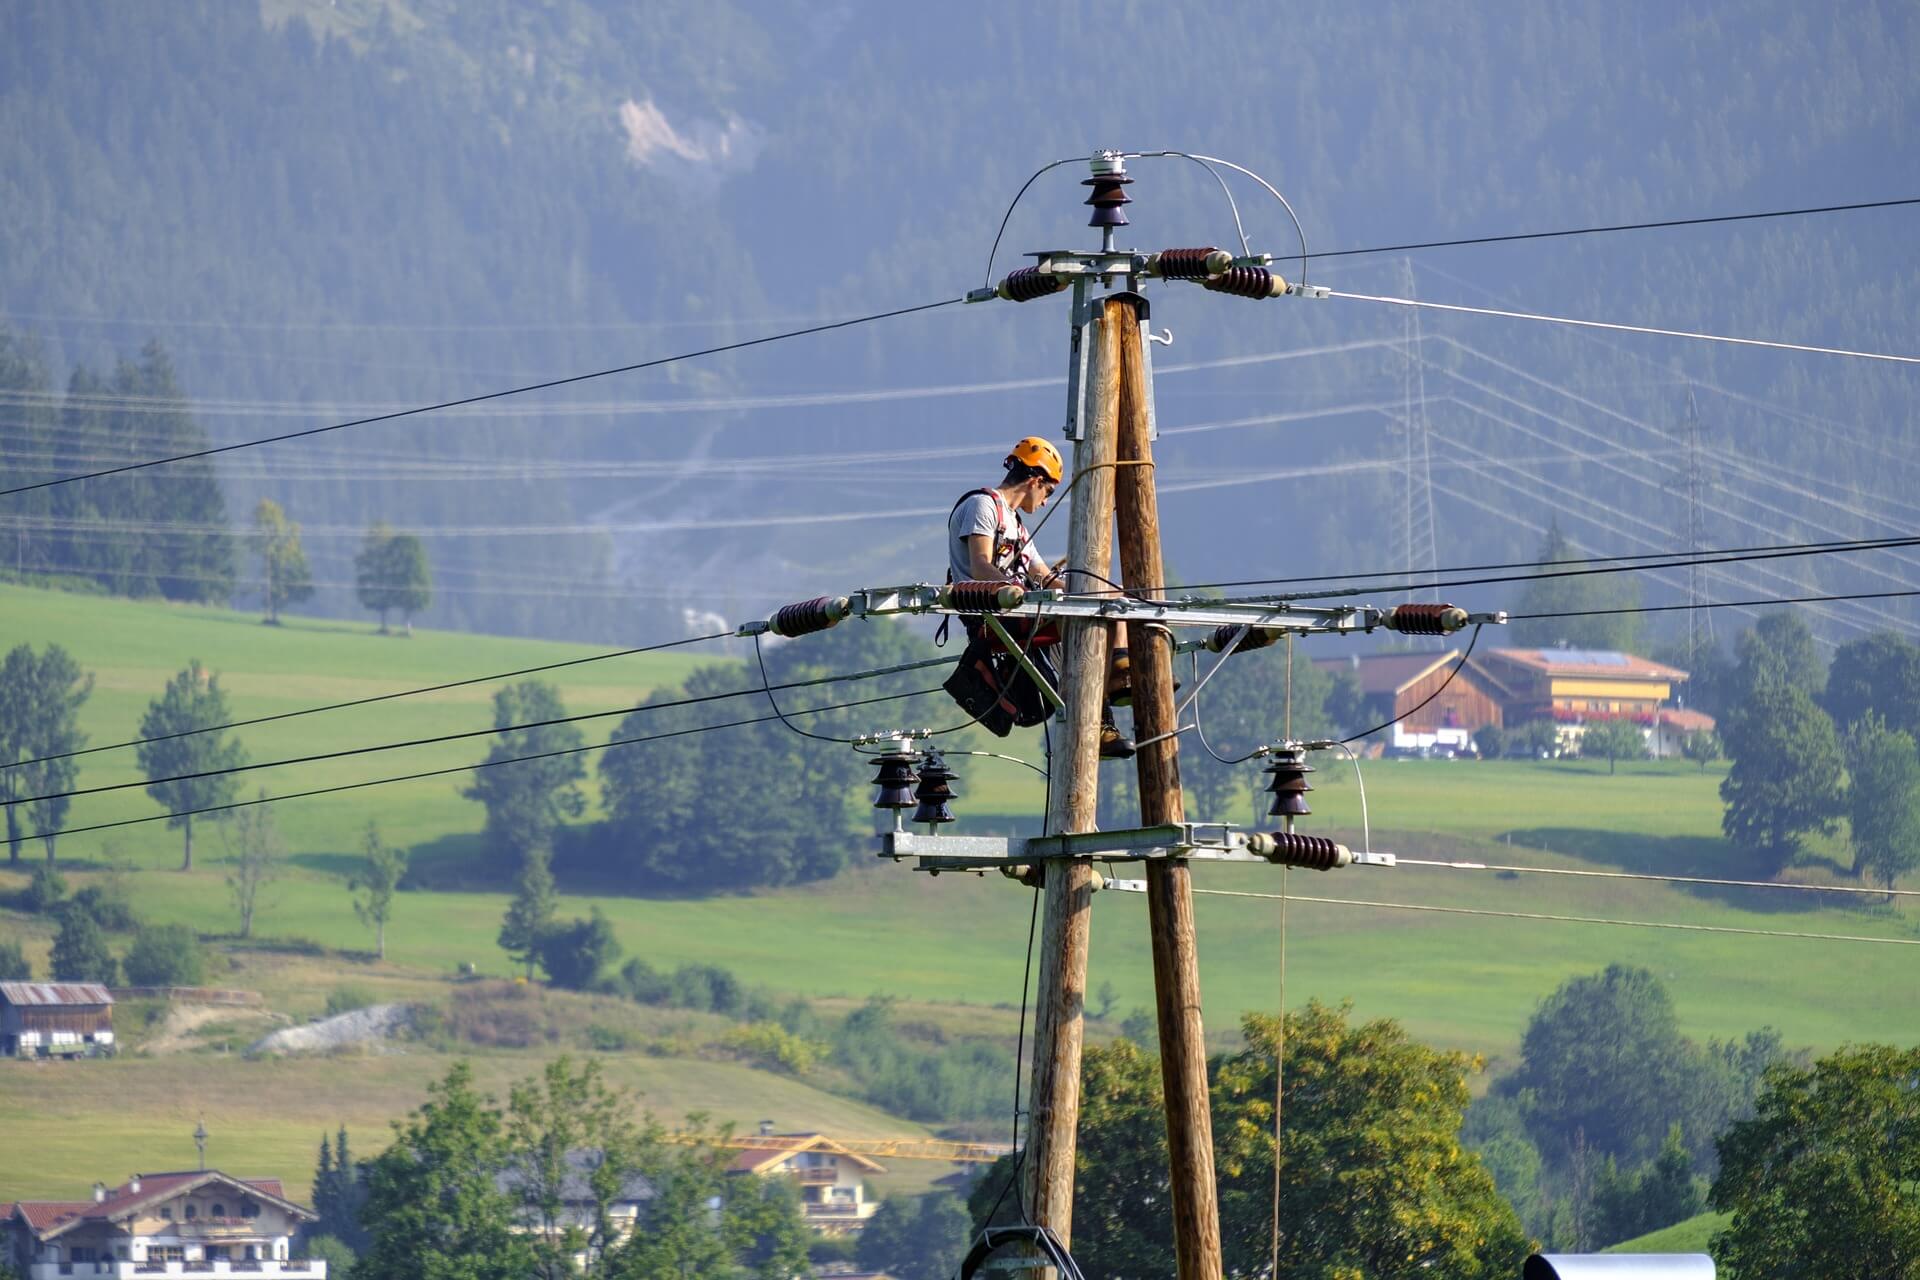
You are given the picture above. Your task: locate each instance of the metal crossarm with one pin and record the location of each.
(1193, 841)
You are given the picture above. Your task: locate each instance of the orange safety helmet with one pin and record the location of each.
(1038, 454)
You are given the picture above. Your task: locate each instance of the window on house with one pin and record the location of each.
(167, 1213)
(249, 1210)
(193, 1211)
(219, 1210)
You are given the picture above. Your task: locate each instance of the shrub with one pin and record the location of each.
(768, 1044)
(705, 987)
(642, 983)
(45, 891)
(13, 963)
(110, 908)
(166, 955)
(347, 997)
(608, 1039)
(574, 954)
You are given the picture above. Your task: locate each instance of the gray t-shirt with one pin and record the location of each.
(987, 515)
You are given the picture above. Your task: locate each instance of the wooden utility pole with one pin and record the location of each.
(1176, 961)
(1059, 1021)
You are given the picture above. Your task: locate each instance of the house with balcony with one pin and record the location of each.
(832, 1179)
(1576, 687)
(1435, 701)
(55, 1020)
(200, 1224)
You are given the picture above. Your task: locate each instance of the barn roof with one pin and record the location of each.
(54, 993)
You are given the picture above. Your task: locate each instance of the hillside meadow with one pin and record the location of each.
(950, 947)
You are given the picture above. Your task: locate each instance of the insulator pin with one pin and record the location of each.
(1029, 283)
(1246, 282)
(1315, 853)
(810, 615)
(895, 777)
(1289, 785)
(983, 597)
(1109, 181)
(1189, 264)
(1425, 619)
(936, 788)
(1256, 638)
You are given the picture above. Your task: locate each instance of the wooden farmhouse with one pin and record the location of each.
(55, 1020)
(202, 1223)
(1394, 684)
(833, 1198)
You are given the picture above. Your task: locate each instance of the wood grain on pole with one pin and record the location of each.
(1059, 1018)
(1176, 960)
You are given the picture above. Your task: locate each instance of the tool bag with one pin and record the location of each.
(992, 687)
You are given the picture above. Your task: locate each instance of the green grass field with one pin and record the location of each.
(1690, 1236)
(952, 945)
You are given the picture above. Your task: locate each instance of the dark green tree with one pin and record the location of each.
(1779, 650)
(1786, 775)
(1702, 746)
(1824, 1181)
(46, 891)
(1490, 741)
(339, 1192)
(1574, 595)
(529, 913)
(375, 885)
(1878, 673)
(80, 951)
(165, 955)
(285, 577)
(1602, 1061)
(1612, 741)
(434, 1207)
(14, 966)
(391, 573)
(528, 800)
(568, 1133)
(1658, 1194)
(173, 747)
(1883, 800)
(916, 1237)
(575, 955)
(1374, 1181)
(40, 700)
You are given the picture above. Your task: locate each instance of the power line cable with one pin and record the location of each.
(491, 395)
(1721, 604)
(640, 708)
(1536, 915)
(1768, 343)
(378, 697)
(1621, 226)
(1647, 875)
(463, 768)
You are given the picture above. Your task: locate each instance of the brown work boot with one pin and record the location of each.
(1119, 679)
(1114, 745)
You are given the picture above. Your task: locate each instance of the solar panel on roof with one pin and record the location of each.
(1587, 657)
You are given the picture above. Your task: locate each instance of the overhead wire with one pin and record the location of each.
(523, 389)
(1560, 919)
(1656, 877)
(463, 768)
(637, 709)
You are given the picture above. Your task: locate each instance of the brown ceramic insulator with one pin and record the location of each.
(1289, 785)
(809, 616)
(983, 597)
(1315, 853)
(1425, 619)
(1256, 638)
(895, 777)
(1029, 283)
(1191, 264)
(1247, 282)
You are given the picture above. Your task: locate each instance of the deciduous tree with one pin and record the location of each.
(1613, 740)
(373, 888)
(40, 700)
(1878, 673)
(80, 951)
(527, 800)
(179, 740)
(390, 572)
(165, 955)
(1786, 775)
(254, 854)
(286, 579)
(1883, 800)
(1824, 1181)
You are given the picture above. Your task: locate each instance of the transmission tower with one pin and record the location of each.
(1696, 488)
(1416, 550)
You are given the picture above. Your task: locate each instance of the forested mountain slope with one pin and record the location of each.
(329, 210)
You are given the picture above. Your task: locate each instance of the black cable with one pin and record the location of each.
(1429, 698)
(1683, 563)
(462, 768)
(491, 395)
(1622, 226)
(378, 697)
(1720, 604)
(497, 729)
(766, 686)
(1198, 728)
(1860, 544)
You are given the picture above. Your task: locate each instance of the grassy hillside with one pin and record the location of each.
(1690, 1236)
(1459, 980)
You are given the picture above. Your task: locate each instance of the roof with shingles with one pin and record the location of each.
(1589, 662)
(54, 993)
(761, 1159)
(50, 1217)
